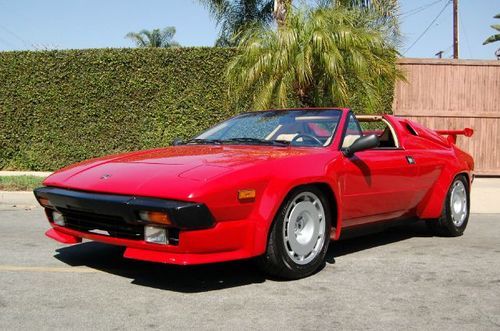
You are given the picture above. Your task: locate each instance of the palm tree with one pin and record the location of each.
(495, 37)
(321, 57)
(383, 12)
(154, 38)
(385, 8)
(235, 16)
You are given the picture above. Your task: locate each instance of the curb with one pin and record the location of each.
(25, 173)
(484, 196)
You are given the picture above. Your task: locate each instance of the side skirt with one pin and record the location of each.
(365, 229)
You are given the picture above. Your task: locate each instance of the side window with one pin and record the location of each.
(378, 126)
(353, 131)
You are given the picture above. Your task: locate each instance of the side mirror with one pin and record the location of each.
(361, 144)
(177, 142)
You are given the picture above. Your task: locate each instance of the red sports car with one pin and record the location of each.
(278, 185)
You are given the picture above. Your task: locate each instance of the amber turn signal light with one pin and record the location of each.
(155, 217)
(246, 195)
(45, 202)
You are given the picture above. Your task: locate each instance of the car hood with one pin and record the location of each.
(172, 172)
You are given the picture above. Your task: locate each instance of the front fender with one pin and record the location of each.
(282, 183)
(272, 181)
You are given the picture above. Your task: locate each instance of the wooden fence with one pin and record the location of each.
(454, 94)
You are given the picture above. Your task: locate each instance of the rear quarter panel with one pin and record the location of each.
(439, 162)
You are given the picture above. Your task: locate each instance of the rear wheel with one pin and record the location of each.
(455, 215)
(299, 236)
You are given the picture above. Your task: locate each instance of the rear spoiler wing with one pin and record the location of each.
(452, 134)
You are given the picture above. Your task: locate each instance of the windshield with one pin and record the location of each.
(277, 127)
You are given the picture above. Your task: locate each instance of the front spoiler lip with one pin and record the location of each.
(184, 215)
(225, 241)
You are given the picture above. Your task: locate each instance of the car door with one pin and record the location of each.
(376, 183)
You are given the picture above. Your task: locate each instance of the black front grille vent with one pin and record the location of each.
(114, 225)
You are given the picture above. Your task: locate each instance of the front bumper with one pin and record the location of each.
(124, 209)
(198, 239)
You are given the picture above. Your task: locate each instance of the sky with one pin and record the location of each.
(69, 24)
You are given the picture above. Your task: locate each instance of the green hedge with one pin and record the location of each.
(60, 107)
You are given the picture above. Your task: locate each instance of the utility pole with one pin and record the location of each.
(455, 29)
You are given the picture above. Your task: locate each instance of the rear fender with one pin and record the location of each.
(432, 205)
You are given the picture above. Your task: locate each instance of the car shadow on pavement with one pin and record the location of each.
(381, 238)
(202, 278)
(186, 279)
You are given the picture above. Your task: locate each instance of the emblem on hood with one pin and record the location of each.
(106, 176)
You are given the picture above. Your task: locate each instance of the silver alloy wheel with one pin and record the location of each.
(458, 203)
(304, 228)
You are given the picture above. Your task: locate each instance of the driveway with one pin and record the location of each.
(399, 279)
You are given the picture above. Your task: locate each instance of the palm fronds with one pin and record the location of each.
(495, 37)
(154, 38)
(235, 16)
(321, 57)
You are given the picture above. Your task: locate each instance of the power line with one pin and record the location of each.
(419, 9)
(428, 27)
(465, 34)
(448, 49)
(8, 43)
(26, 43)
(444, 51)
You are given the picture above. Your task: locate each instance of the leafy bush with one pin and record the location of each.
(60, 107)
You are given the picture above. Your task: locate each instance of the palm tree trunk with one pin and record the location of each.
(304, 94)
(281, 9)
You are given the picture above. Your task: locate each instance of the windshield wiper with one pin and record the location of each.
(258, 141)
(241, 140)
(203, 141)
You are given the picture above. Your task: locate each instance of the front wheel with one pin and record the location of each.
(299, 236)
(455, 215)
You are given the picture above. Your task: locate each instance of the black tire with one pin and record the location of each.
(277, 261)
(445, 225)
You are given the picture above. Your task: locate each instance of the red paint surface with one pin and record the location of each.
(373, 185)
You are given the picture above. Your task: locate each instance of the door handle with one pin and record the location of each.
(410, 159)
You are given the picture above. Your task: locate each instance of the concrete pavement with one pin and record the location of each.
(402, 279)
(19, 199)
